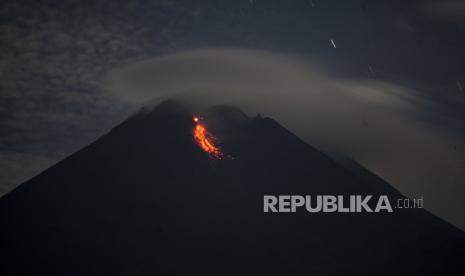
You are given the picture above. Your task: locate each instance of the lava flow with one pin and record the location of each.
(206, 141)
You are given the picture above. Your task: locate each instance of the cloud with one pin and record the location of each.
(403, 135)
(52, 58)
(452, 11)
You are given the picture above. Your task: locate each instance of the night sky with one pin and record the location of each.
(55, 56)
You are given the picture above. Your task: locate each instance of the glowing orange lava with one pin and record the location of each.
(206, 141)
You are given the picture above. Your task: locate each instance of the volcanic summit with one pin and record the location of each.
(151, 197)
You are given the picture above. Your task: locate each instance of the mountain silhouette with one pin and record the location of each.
(145, 199)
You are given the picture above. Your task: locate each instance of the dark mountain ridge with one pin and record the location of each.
(145, 199)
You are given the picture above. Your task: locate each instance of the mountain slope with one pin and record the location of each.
(145, 199)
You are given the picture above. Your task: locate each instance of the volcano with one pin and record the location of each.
(146, 199)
